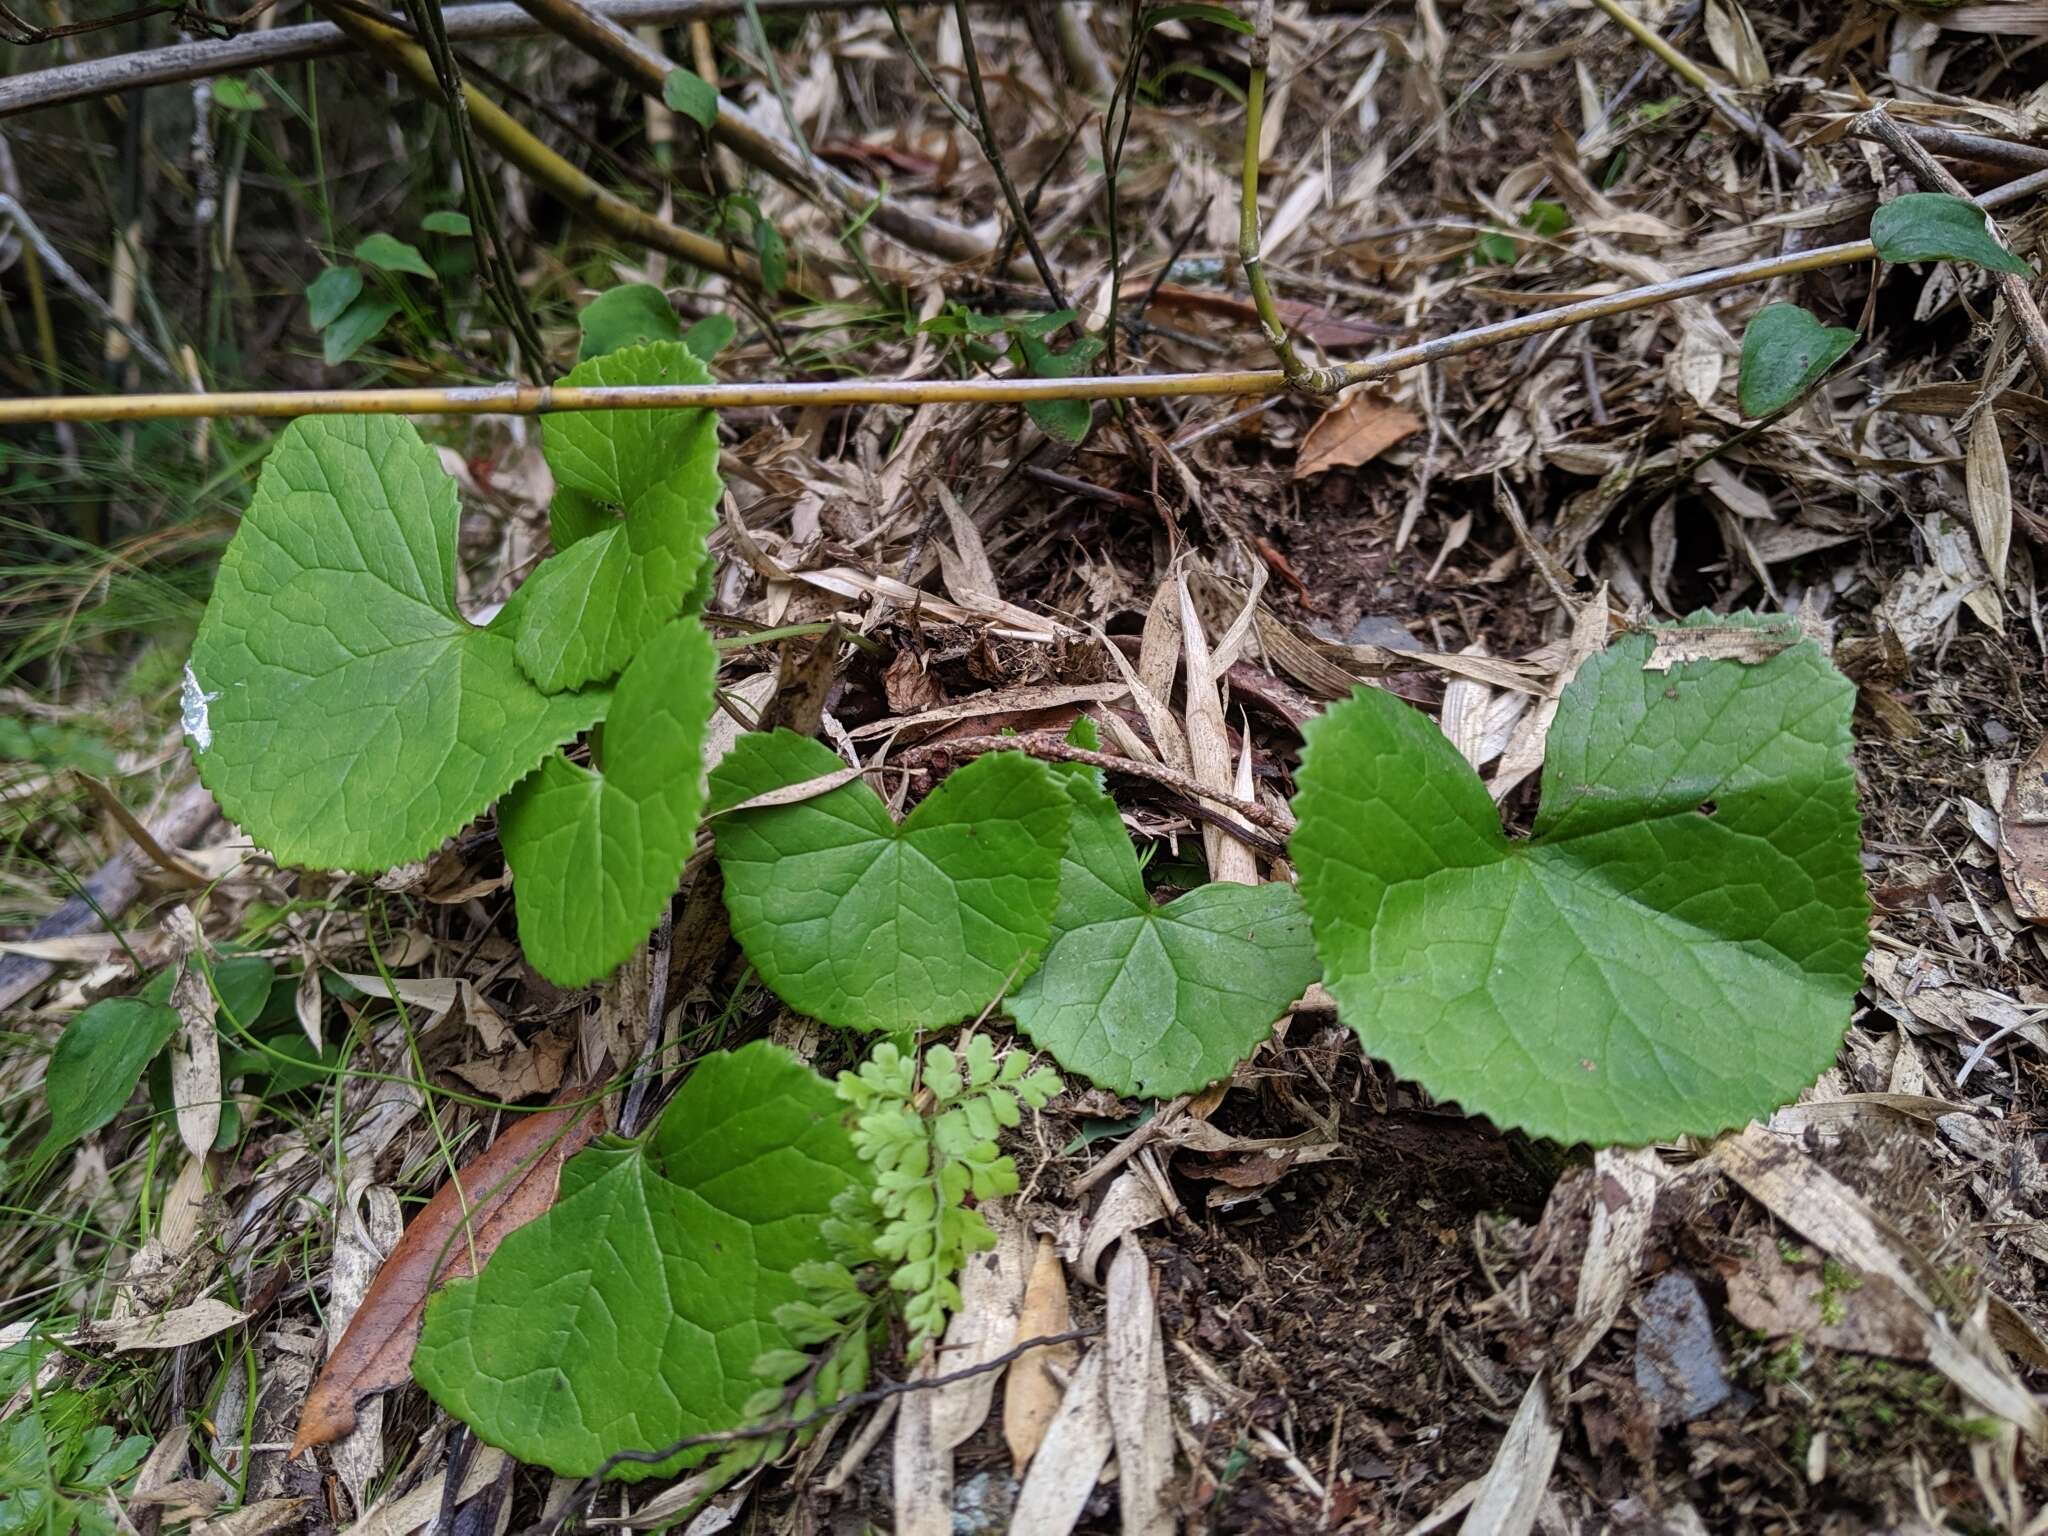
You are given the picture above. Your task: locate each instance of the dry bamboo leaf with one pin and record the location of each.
(1031, 1394)
(1733, 38)
(1140, 1416)
(921, 1470)
(991, 1302)
(1132, 1202)
(1209, 742)
(195, 1061)
(1623, 1203)
(407, 1514)
(512, 1182)
(1356, 430)
(1989, 488)
(369, 1228)
(1828, 1213)
(258, 1519)
(1510, 1494)
(163, 1330)
(2023, 837)
(1076, 1446)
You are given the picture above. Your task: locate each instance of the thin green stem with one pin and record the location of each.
(1300, 376)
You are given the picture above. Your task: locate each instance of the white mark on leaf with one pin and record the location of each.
(192, 702)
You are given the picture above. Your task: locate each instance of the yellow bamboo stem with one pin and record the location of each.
(531, 400)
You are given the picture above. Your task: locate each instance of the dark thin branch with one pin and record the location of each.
(501, 280)
(1019, 214)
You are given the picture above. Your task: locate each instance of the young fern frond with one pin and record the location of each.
(929, 1160)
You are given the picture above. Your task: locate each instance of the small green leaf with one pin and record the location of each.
(1148, 1000)
(774, 253)
(1676, 948)
(1932, 226)
(1067, 420)
(691, 94)
(355, 328)
(629, 1315)
(98, 1061)
(1546, 218)
(595, 603)
(388, 253)
(232, 95)
(630, 315)
(1785, 352)
(330, 293)
(868, 925)
(595, 856)
(711, 335)
(340, 707)
(446, 221)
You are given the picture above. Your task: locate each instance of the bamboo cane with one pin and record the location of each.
(530, 400)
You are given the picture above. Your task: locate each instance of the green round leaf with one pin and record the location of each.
(446, 221)
(630, 315)
(1148, 1000)
(596, 856)
(330, 293)
(1932, 226)
(1785, 352)
(388, 253)
(868, 925)
(355, 328)
(691, 94)
(593, 604)
(628, 1316)
(1677, 947)
(340, 707)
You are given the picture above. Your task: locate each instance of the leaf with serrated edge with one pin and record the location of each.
(353, 717)
(595, 856)
(497, 1192)
(598, 601)
(1147, 1000)
(629, 1315)
(867, 925)
(1674, 950)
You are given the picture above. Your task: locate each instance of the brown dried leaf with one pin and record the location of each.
(510, 1184)
(1356, 430)
(1869, 1315)
(2023, 837)
(1323, 327)
(1989, 488)
(1031, 1395)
